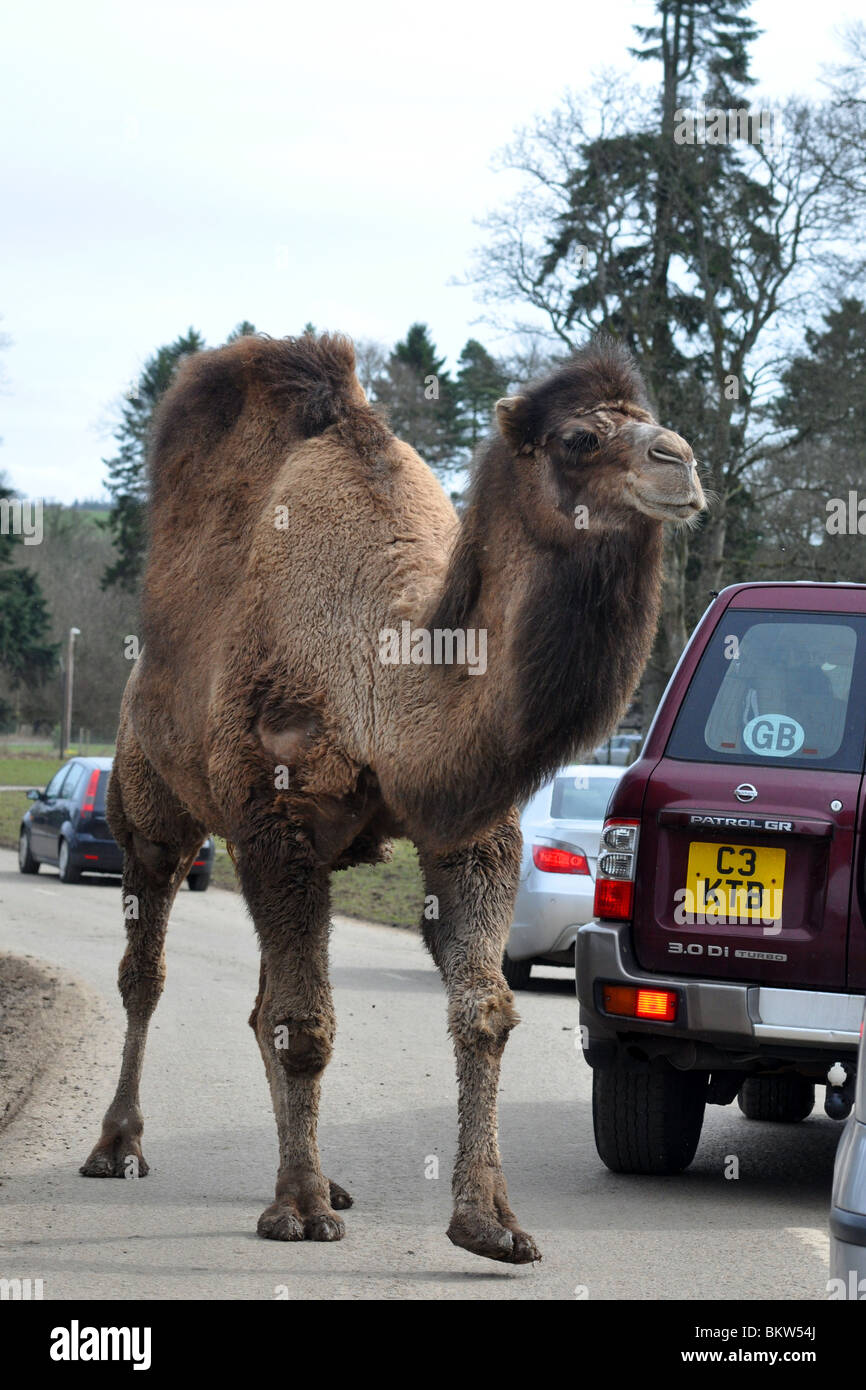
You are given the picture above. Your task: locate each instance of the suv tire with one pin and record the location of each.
(783, 1099)
(198, 883)
(647, 1120)
(516, 972)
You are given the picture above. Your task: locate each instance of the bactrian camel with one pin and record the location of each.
(284, 508)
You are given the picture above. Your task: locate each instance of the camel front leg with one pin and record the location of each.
(474, 888)
(152, 874)
(294, 1023)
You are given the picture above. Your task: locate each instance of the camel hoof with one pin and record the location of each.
(324, 1227)
(525, 1251)
(279, 1222)
(484, 1236)
(112, 1163)
(340, 1199)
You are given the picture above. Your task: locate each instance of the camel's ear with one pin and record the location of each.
(512, 417)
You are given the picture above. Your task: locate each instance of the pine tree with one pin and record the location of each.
(127, 472)
(26, 656)
(480, 382)
(420, 399)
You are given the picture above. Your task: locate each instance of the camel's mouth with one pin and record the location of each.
(667, 508)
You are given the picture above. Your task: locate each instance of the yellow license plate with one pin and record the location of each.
(742, 883)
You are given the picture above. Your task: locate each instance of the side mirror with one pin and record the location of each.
(33, 795)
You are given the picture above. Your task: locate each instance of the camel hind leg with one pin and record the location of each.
(160, 841)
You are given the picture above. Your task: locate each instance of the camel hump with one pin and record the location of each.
(296, 388)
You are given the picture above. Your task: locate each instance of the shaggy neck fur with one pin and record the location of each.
(570, 628)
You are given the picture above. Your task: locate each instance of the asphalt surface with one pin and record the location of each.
(389, 1111)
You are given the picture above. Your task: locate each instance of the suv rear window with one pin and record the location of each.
(780, 688)
(581, 798)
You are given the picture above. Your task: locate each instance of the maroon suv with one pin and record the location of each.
(727, 955)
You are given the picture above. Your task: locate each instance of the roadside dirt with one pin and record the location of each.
(41, 1010)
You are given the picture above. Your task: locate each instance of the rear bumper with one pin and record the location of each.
(97, 855)
(721, 1023)
(547, 914)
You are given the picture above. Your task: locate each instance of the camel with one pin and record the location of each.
(284, 509)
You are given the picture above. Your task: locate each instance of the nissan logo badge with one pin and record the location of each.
(745, 792)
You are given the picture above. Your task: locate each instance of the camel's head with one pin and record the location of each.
(589, 453)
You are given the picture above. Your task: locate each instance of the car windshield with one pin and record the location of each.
(581, 797)
(780, 688)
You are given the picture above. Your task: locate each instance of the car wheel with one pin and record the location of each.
(783, 1099)
(198, 882)
(647, 1120)
(26, 863)
(68, 869)
(516, 972)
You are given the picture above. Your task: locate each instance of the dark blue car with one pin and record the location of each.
(66, 826)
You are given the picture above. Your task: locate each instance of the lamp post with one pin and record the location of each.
(66, 722)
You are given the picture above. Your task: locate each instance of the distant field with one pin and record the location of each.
(36, 771)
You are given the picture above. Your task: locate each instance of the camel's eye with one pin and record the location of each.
(579, 446)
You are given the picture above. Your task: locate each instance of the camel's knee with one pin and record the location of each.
(482, 1015)
(141, 978)
(158, 860)
(304, 1046)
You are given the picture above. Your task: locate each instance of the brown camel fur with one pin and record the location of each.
(284, 509)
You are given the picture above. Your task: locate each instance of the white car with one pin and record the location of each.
(561, 827)
(848, 1211)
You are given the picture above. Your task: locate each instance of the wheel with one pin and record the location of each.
(26, 863)
(647, 1121)
(69, 870)
(198, 882)
(516, 972)
(784, 1099)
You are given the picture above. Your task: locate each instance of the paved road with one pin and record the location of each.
(188, 1230)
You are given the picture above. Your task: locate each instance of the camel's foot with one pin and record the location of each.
(301, 1211)
(483, 1233)
(340, 1199)
(286, 1220)
(117, 1155)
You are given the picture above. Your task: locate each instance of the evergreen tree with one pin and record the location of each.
(26, 656)
(480, 382)
(420, 399)
(127, 471)
(244, 329)
(805, 486)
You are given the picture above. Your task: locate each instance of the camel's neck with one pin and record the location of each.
(568, 632)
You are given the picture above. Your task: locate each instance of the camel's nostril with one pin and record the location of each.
(664, 457)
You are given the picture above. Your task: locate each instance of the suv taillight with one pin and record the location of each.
(614, 875)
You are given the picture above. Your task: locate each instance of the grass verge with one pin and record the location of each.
(390, 893)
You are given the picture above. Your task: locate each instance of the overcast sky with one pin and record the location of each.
(185, 164)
